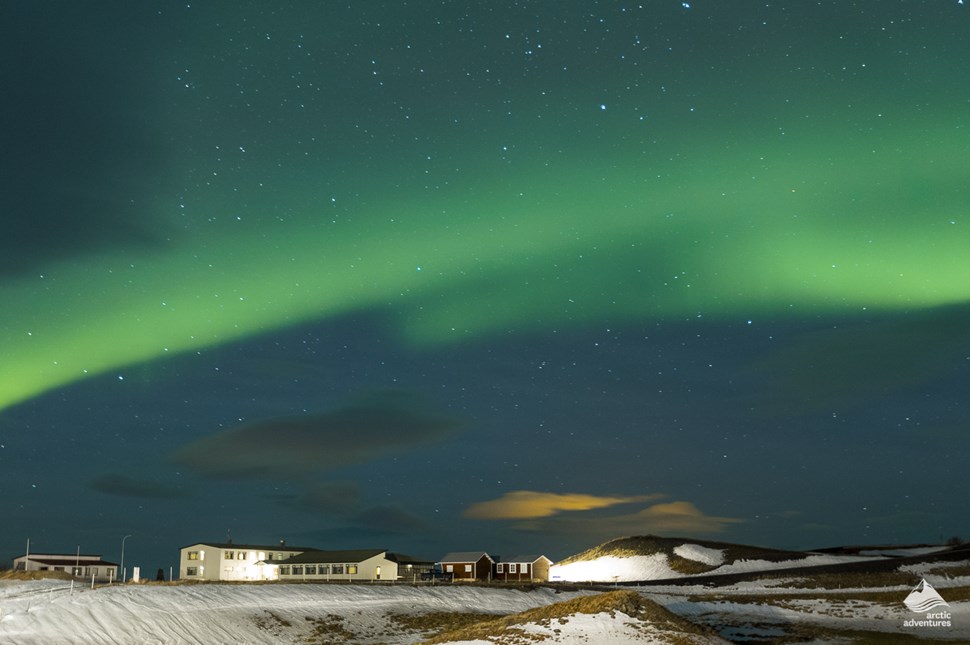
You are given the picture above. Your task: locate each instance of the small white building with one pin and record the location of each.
(360, 564)
(83, 566)
(228, 561)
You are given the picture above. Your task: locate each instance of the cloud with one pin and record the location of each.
(675, 517)
(383, 423)
(124, 486)
(527, 504)
(389, 519)
(331, 497)
(668, 518)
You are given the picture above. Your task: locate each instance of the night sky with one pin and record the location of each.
(502, 276)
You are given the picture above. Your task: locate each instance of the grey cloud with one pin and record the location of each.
(124, 486)
(378, 425)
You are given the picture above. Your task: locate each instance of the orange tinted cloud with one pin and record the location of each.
(678, 516)
(527, 504)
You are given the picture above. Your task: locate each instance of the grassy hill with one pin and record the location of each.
(625, 547)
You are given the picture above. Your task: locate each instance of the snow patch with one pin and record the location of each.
(610, 568)
(698, 553)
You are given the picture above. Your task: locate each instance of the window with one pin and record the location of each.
(499, 568)
(468, 568)
(311, 570)
(191, 571)
(523, 568)
(297, 571)
(338, 569)
(262, 556)
(229, 555)
(449, 568)
(75, 571)
(324, 569)
(352, 569)
(284, 571)
(241, 555)
(512, 568)
(193, 555)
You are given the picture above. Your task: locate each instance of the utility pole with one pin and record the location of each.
(123, 558)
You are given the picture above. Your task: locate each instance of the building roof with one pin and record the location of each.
(465, 556)
(401, 558)
(68, 560)
(526, 559)
(250, 547)
(316, 556)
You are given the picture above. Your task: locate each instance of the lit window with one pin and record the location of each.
(449, 568)
(352, 569)
(193, 555)
(202, 555)
(262, 556)
(241, 555)
(468, 568)
(229, 555)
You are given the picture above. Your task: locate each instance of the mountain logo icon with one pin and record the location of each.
(924, 598)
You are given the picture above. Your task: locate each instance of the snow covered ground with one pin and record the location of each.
(51, 613)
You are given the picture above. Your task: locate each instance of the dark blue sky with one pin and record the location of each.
(511, 276)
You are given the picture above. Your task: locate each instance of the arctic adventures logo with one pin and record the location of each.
(924, 599)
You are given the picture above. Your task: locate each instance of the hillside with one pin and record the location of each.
(649, 557)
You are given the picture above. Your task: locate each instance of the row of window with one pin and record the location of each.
(510, 567)
(319, 570)
(241, 555)
(500, 567)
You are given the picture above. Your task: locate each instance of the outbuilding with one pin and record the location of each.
(75, 564)
(523, 568)
(468, 565)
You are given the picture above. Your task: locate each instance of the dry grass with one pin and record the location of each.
(328, 629)
(850, 580)
(507, 630)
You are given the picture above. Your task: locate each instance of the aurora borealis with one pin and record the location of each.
(653, 266)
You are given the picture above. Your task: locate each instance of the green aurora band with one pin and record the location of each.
(855, 222)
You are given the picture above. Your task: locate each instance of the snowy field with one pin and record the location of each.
(50, 612)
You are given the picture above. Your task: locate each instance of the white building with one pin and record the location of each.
(84, 566)
(228, 561)
(360, 564)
